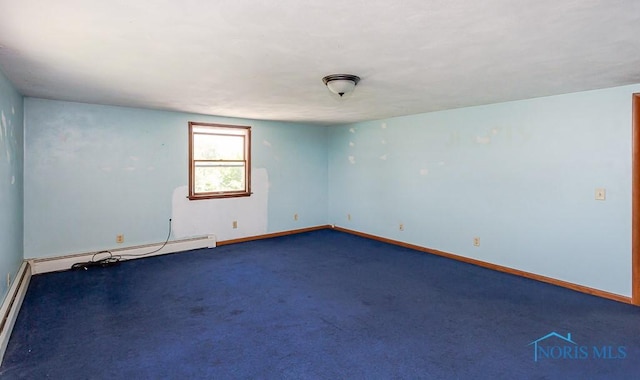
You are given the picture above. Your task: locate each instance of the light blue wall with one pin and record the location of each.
(11, 183)
(92, 172)
(519, 175)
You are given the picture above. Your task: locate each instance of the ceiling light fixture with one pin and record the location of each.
(341, 84)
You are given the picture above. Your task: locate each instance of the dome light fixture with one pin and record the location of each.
(341, 84)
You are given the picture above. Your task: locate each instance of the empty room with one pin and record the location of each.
(319, 190)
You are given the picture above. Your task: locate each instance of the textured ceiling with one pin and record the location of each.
(266, 59)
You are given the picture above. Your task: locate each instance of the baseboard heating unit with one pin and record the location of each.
(59, 263)
(11, 305)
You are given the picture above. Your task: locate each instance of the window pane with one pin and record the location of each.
(220, 161)
(219, 177)
(218, 147)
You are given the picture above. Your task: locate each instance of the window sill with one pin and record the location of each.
(198, 197)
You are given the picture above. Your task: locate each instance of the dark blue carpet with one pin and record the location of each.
(320, 305)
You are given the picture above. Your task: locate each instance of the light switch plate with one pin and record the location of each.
(601, 194)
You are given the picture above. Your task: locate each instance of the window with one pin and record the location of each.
(219, 161)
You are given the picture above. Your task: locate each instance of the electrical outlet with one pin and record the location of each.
(401, 227)
(120, 239)
(234, 224)
(349, 217)
(476, 241)
(295, 216)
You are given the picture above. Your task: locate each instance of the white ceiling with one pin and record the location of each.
(264, 59)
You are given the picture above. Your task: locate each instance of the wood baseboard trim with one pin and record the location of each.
(635, 200)
(11, 305)
(499, 268)
(272, 235)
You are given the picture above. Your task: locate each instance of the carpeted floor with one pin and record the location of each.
(319, 305)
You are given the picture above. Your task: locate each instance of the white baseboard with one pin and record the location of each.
(11, 305)
(59, 263)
